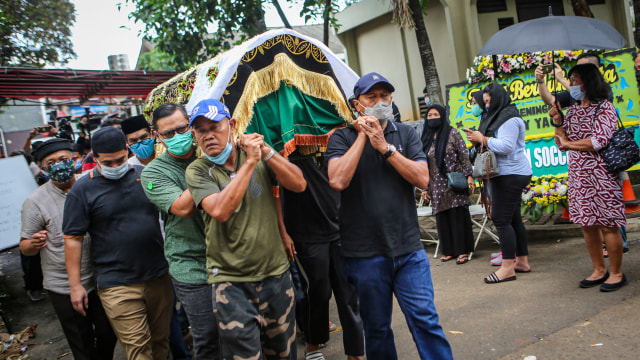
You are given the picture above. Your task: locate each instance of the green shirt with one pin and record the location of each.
(163, 181)
(247, 247)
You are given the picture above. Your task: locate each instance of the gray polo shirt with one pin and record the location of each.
(42, 210)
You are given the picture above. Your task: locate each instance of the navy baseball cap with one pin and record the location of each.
(367, 81)
(212, 109)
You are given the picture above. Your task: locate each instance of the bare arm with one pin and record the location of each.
(287, 174)
(72, 257)
(222, 205)
(545, 94)
(415, 172)
(341, 169)
(287, 241)
(32, 246)
(183, 206)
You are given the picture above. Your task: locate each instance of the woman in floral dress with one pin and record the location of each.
(446, 152)
(595, 194)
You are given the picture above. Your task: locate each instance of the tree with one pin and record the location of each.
(412, 16)
(36, 32)
(325, 9)
(581, 8)
(181, 28)
(636, 16)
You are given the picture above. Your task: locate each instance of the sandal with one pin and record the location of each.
(462, 259)
(494, 279)
(446, 258)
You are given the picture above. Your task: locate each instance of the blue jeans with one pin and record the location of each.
(196, 301)
(409, 278)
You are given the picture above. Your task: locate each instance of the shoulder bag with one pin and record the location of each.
(621, 152)
(485, 164)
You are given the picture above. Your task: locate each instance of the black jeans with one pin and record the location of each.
(89, 337)
(32, 270)
(506, 195)
(322, 265)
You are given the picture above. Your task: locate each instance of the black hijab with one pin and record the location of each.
(500, 110)
(441, 140)
(478, 96)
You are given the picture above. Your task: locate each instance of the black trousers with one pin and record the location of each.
(32, 270)
(506, 194)
(89, 337)
(321, 271)
(455, 231)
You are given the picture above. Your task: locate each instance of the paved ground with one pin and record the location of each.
(542, 314)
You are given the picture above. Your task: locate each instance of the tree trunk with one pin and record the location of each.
(283, 17)
(581, 8)
(426, 54)
(636, 13)
(327, 17)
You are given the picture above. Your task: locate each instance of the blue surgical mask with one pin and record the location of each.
(78, 164)
(179, 144)
(222, 158)
(577, 93)
(475, 110)
(116, 172)
(143, 149)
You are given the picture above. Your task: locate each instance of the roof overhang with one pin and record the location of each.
(62, 84)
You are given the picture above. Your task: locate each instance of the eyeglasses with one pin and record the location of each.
(168, 134)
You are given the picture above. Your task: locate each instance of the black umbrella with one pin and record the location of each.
(554, 33)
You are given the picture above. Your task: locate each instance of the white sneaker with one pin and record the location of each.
(314, 355)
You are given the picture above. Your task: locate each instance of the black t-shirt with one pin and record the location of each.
(378, 211)
(126, 241)
(312, 215)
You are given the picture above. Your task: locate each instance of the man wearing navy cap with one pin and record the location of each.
(246, 262)
(376, 164)
(126, 249)
(90, 336)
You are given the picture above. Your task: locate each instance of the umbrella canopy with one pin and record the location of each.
(554, 33)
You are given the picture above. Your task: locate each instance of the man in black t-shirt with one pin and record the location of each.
(376, 164)
(311, 219)
(127, 250)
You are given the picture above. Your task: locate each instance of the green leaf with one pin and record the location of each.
(525, 209)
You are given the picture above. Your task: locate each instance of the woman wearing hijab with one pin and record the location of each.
(446, 152)
(503, 131)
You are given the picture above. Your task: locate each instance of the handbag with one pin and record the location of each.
(485, 165)
(621, 152)
(457, 182)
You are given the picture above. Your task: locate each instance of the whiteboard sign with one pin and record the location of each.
(16, 184)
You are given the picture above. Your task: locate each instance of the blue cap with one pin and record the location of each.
(212, 109)
(367, 81)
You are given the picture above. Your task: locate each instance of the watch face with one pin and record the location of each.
(392, 148)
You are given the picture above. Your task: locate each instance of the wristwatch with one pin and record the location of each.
(390, 151)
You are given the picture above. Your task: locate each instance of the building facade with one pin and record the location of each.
(457, 31)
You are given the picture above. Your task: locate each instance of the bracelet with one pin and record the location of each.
(540, 81)
(269, 155)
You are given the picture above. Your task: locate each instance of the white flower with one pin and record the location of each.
(562, 190)
(527, 196)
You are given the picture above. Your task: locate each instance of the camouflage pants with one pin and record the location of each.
(256, 319)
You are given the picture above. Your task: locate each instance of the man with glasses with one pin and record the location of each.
(141, 143)
(163, 181)
(246, 262)
(126, 249)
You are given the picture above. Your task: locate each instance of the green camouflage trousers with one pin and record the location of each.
(256, 319)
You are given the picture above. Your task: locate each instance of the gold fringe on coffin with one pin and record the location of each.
(267, 80)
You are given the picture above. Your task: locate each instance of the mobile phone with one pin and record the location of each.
(43, 129)
(466, 130)
(547, 68)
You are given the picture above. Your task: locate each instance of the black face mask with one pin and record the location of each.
(434, 123)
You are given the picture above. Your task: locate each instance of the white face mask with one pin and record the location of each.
(381, 111)
(427, 101)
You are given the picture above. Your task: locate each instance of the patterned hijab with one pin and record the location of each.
(441, 139)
